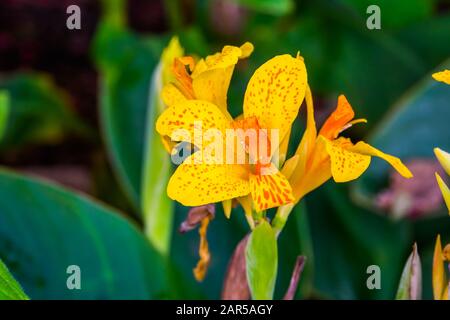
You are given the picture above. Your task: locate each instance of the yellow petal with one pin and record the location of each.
(246, 50)
(366, 149)
(172, 51)
(275, 92)
(212, 85)
(212, 76)
(446, 294)
(444, 159)
(445, 191)
(439, 277)
(195, 184)
(337, 121)
(190, 115)
(227, 207)
(270, 190)
(289, 166)
(203, 251)
(307, 144)
(283, 149)
(171, 95)
(443, 76)
(345, 164)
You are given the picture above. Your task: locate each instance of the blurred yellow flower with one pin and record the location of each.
(443, 76)
(444, 159)
(173, 51)
(439, 277)
(272, 101)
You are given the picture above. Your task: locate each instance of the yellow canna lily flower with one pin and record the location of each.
(272, 101)
(208, 80)
(444, 159)
(439, 277)
(443, 76)
(326, 155)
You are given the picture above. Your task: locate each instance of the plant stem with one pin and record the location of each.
(281, 217)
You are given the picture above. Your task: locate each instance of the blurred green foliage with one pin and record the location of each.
(384, 73)
(39, 112)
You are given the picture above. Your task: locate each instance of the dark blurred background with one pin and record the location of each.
(71, 88)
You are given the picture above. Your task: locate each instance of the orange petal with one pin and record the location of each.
(184, 80)
(270, 190)
(203, 251)
(338, 119)
(316, 173)
(172, 51)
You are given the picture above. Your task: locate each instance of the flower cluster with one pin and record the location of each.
(196, 96)
(272, 101)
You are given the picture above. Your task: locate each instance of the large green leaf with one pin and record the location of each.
(262, 261)
(417, 124)
(10, 289)
(347, 240)
(44, 229)
(38, 112)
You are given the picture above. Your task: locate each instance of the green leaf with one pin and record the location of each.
(417, 124)
(10, 289)
(262, 261)
(410, 286)
(348, 239)
(39, 112)
(272, 7)
(126, 64)
(45, 228)
(4, 111)
(157, 207)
